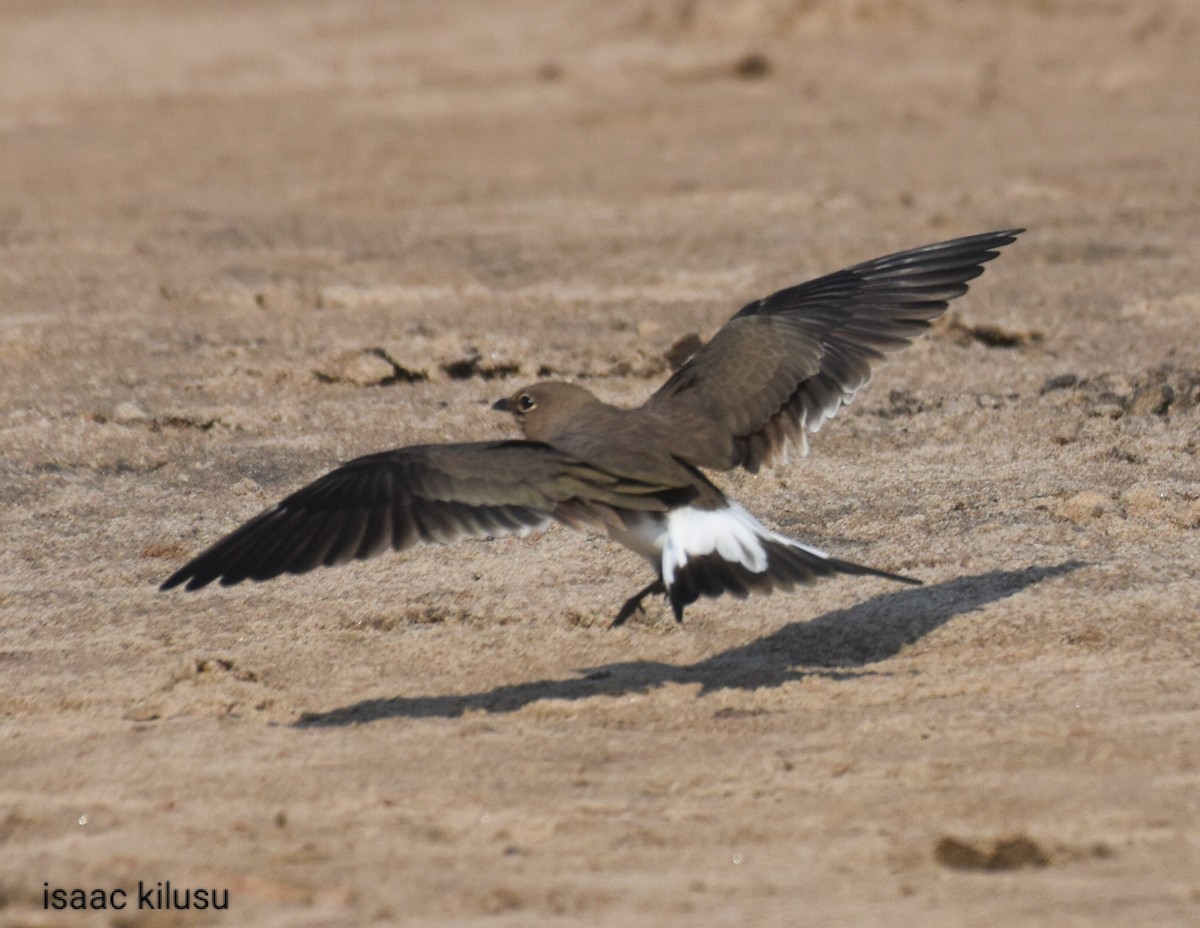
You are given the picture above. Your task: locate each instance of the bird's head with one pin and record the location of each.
(544, 410)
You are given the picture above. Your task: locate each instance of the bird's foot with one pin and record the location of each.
(634, 603)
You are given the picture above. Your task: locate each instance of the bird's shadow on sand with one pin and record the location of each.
(836, 644)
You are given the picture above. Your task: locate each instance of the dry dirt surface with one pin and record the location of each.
(242, 241)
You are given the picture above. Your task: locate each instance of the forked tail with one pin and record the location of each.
(710, 552)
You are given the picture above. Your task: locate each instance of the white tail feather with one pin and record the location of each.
(731, 532)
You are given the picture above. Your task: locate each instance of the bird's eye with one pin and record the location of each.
(525, 402)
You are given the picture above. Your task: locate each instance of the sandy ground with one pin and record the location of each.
(242, 241)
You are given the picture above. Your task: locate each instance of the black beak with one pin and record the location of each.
(502, 405)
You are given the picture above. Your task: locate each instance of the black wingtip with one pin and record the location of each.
(1004, 237)
(981, 247)
(984, 245)
(1001, 238)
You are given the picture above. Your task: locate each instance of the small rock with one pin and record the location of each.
(682, 349)
(475, 365)
(1153, 398)
(501, 900)
(246, 487)
(167, 550)
(901, 403)
(1085, 506)
(1109, 405)
(1186, 514)
(1143, 499)
(1168, 501)
(369, 367)
(129, 412)
(1061, 382)
(989, 334)
(1002, 854)
(752, 66)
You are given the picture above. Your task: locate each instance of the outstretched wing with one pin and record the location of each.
(786, 363)
(434, 493)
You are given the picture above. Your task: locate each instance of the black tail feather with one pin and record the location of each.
(788, 566)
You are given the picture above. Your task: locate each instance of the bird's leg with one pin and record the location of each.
(634, 603)
(677, 608)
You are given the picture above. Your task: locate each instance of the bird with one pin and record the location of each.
(775, 372)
